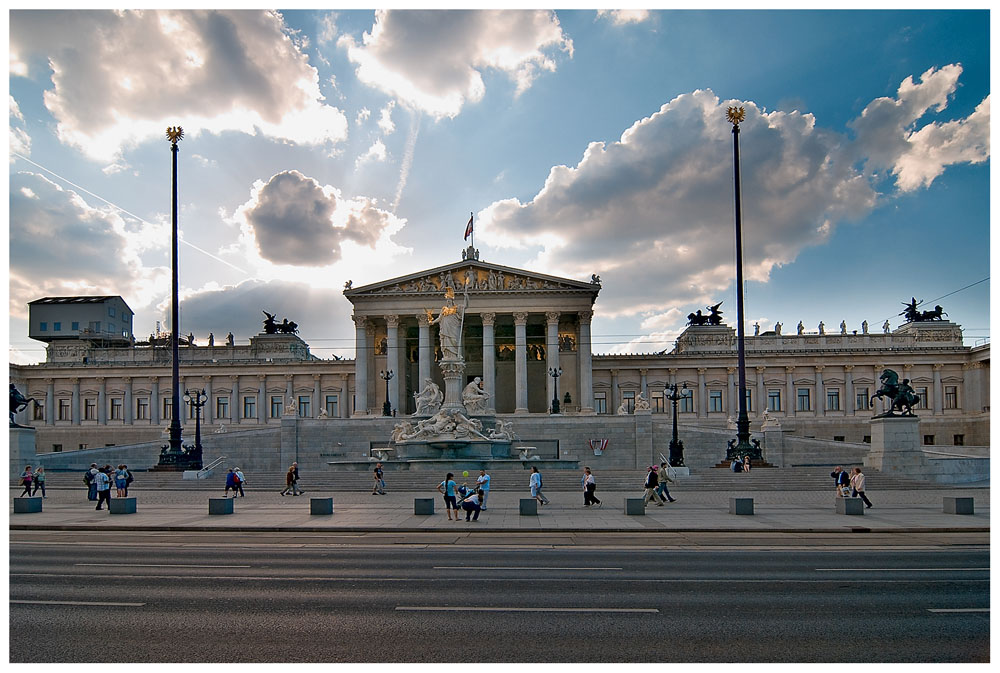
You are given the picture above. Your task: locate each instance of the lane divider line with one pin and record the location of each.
(446, 608)
(86, 603)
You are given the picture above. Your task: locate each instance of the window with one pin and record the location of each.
(39, 412)
(867, 439)
(656, 402)
(861, 399)
(111, 311)
(601, 403)
(57, 327)
(833, 399)
(250, 407)
(222, 407)
(628, 397)
(774, 400)
(168, 409)
(277, 406)
(116, 409)
(43, 327)
(838, 438)
(56, 448)
(89, 409)
(142, 408)
(749, 400)
(803, 400)
(715, 400)
(687, 400)
(112, 328)
(924, 398)
(951, 397)
(64, 413)
(928, 440)
(305, 402)
(332, 406)
(958, 440)
(75, 326)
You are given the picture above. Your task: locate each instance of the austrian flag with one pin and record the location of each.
(468, 227)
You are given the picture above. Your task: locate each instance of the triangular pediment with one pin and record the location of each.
(484, 278)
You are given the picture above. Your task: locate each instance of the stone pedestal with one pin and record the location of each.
(453, 372)
(321, 506)
(423, 506)
(220, 505)
(528, 507)
(22, 449)
(635, 507)
(27, 505)
(952, 505)
(896, 446)
(122, 506)
(741, 506)
(850, 506)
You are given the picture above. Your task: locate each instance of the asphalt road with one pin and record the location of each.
(167, 597)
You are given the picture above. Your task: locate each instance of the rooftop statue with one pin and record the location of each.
(714, 317)
(913, 314)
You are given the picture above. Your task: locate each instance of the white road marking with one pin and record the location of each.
(89, 603)
(517, 568)
(958, 610)
(428, 608)
(155, 565)
(894, 569)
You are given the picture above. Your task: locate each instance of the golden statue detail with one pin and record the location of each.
(175, 134)
(450, 321)
(735, 115)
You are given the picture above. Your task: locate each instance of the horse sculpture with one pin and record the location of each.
(18, 402)
(901, 395)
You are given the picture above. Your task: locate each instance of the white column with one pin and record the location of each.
(586, 367)
(938, 391)
(820, 392)
(102, 400)
(489, 360)
(644, 383)
(127, 402)
(551, 352)
(342, 401)
(424, 350)
(790, 405)
(392, 359)
(520, 363)
(702, 393)
(362, 355)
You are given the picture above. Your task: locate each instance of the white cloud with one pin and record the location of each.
(621, 17)
(20, 141)
(385, 118)
(435, 60)
(375, 153)
(363, 115)
(888, 135)
(204, 68)
(327, 28)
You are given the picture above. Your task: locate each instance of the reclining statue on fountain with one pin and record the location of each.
(445, 424)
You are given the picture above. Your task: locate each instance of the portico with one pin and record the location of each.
(516, 325)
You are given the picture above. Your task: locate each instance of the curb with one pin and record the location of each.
(357, 529)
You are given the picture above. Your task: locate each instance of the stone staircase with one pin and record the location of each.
(811, 478)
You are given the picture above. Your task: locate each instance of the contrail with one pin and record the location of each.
(130, 214)
(404, 170)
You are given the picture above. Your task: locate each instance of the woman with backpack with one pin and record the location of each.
(240, 480)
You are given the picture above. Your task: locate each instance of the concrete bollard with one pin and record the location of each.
(423, 506)
(635, 507)
(220, 505)
(528, 507)
(954, 505)
(320, 506)
(122, 506)
(741, 506)
(27, 505)
(850, 506)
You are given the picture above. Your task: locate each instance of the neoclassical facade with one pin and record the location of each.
(517, 326)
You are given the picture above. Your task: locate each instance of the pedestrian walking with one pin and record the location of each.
(39, 480)
(650, 485)
(103, 480)
(378, 488)
(471, 505)
(128, 479)
(589, 486)
(483, 482)
(295, 484)
(90, 479)
(447, 489)
(291, 480)
(121, 474)
(26, 480)
(240, 480)
(858, 484)
(535, 484)
(662, 477)
(841, 481)
(230, 483)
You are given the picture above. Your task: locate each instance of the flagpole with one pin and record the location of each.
(471, 215)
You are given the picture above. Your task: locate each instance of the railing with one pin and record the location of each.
(208, 468)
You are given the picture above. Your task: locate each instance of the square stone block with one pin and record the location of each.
(122, 506)
(528, 507)
(635, 507)
(741, 506)
(27, 505)
(954, 505)
(220, 505)
(321, 505)
(851, 506)
(423, 506)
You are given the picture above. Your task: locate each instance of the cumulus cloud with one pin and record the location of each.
(207, 68)
(620, 17)
(363, 115)
(20, 141)
(376, 152)
(62, 246)
(655, 208)
(385, 118)
(434, 60)
(889, 135)
(296, 221)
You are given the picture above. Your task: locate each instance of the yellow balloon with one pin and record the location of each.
(465, 473)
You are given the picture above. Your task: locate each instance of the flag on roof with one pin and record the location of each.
(468, 227)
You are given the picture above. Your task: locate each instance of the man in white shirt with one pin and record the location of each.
(103, 488)
(483, 480)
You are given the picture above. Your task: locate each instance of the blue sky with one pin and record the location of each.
(323, 146)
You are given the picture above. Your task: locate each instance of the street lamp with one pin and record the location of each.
(387, 407)
(555, 373)
(676, 446)
(742, 447)
(197, 399)
(172, 453)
